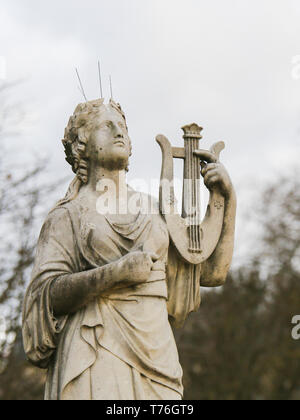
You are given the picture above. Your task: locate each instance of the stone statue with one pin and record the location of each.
(106, 288)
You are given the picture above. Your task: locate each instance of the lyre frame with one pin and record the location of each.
(195, 241)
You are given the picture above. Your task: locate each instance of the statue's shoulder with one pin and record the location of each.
(60, 216)
(59, 212)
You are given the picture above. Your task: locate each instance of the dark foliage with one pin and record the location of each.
(239, 346)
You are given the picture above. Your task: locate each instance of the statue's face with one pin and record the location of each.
(109, 143)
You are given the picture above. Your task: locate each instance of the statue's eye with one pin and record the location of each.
(106, 124)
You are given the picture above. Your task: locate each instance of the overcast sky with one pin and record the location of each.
(225, 64)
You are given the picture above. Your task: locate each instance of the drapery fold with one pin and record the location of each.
(69, 346)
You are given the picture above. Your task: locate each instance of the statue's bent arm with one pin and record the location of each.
(71, 292)
(215, 269)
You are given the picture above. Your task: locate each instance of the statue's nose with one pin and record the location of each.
(118, 132)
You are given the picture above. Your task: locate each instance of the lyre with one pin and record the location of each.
(195, 240)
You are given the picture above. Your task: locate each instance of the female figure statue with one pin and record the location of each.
(105, 287)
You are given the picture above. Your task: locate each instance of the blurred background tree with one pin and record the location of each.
(24, 197)
(237, 347)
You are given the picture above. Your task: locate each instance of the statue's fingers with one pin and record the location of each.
(212, 181)
(210, 174)
(207, 168)
(206, 156)
(203, 165)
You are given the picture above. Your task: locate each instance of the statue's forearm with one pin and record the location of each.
(215, 269)
(71, 292)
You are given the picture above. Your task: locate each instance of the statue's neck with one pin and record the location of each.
(114, 179)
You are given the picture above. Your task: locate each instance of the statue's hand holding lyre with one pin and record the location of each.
(214, 173)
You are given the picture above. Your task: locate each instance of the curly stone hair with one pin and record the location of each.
(77, 133)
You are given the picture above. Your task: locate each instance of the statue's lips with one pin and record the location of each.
(119, 143)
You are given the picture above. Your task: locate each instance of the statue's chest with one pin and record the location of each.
(110, 238)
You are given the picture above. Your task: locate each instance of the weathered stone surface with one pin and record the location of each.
(108, 281)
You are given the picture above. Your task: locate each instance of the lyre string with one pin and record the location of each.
(193, 175)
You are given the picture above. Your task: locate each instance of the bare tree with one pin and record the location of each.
(239, 346)
(22, 197)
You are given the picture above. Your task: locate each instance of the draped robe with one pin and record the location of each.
(121, 345)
